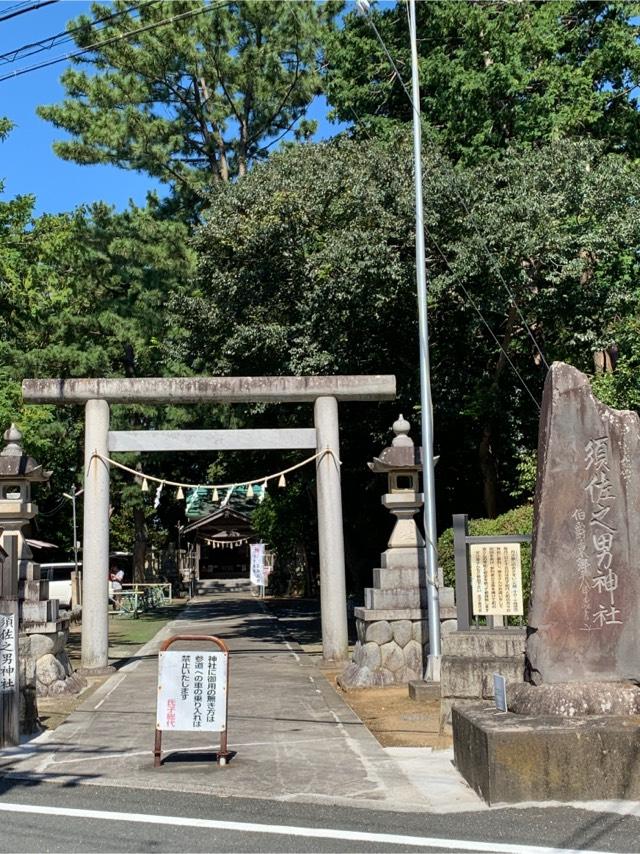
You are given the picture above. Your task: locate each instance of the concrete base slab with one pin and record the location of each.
(424, 692)
(509, 758)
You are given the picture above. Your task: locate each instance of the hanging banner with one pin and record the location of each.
(192, 691)
(257, 573)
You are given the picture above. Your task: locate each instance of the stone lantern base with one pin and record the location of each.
(393, 643)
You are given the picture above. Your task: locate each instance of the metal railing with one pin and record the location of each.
(136, 598)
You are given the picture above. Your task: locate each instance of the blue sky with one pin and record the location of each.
(27, 162)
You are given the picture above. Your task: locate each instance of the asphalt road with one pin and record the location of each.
(43, 817)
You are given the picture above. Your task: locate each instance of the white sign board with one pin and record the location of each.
(496, 579)
(257, 568)
(192, 691)
(500, 692)
(8, 663)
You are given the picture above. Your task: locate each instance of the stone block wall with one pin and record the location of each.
(387, 652)
(45, 665)
(469, 660)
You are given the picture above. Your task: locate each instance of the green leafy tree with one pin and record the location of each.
(306, 266)
(84, 294)
(195, 100)
(494, 74)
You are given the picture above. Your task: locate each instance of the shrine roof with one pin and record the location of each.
(222, 520)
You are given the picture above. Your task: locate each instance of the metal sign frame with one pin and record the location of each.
(223, 755)
(461, 541)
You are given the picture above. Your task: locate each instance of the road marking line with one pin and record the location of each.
(110, 691)
(102, 757)
(288, 830)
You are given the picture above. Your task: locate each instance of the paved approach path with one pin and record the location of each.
(296, 740)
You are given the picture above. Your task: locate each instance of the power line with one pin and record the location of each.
(66, 35)
(486, 249)
(34, 7)
(496, 267)
(113, 40)
(17, 6)
(483, 319)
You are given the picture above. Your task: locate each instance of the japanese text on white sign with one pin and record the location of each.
(496, 579)
(257, 567)
(192, 691)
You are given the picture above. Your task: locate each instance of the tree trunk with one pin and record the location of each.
(139, 545)
(489, 473)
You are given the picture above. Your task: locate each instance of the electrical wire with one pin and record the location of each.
(33, 8)
(483, 243)
(17, 6)
(66, 35)
(97, 45)
(482, 317)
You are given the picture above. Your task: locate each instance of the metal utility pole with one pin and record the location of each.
(76, 492)
(433, 601)
(432, 673)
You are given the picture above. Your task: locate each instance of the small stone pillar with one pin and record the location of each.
(392, 626)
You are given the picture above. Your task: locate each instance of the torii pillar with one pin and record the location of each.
(97, 394)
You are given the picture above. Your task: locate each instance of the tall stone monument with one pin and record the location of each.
(584, 619)
(572, 729)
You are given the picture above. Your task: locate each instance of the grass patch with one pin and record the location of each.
(125, 633)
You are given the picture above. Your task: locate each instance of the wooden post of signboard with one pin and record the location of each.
(180, 704)
(9, 670)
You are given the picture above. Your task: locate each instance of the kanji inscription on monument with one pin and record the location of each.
(192, 691)
(496, 579)
(584, 619)
(8, 663)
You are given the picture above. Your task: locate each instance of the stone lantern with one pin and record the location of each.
(392, 626)
(17, 472)
(44, 665)
(401, 462)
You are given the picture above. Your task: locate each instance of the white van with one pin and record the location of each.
(59, 577)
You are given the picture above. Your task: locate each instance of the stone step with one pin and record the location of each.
(424, 692)
(33, 591)
(497, 643)
(395, 597)
(45, 611)
(370, 615)
(473, 677)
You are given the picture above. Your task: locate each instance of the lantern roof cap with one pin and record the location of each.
(15, 464)
(401, 455)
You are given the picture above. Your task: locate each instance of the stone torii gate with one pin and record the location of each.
(97, 395)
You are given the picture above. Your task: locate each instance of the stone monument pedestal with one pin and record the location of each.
(509, 758)
(44, 667)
